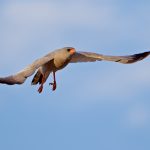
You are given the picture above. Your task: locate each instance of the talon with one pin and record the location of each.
(53, 86)
(40, 89)
(54, 83)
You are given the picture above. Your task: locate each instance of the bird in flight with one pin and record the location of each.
(57, 60)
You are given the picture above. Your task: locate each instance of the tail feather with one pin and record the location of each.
(37, 78)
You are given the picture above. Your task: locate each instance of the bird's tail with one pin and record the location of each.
(37, 78)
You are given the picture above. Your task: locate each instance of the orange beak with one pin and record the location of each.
(72, 51)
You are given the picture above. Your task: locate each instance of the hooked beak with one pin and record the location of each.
(72, 51)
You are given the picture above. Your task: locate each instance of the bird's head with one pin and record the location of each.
(66, 52)
(70, 50)
(64, 55)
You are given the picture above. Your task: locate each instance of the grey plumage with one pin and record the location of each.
(59, 59)
(92, 57)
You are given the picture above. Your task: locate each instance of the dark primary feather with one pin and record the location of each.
(9, 80)
(127, 59)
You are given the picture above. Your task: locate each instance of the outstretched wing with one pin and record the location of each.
(91, 57)
(22, 75)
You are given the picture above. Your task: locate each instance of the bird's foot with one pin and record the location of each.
(53, 86)
(40, 89)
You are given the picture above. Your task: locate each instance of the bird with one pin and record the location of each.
(59, 59)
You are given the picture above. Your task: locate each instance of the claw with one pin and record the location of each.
(53, 86)
(40, 89)
(54, 83)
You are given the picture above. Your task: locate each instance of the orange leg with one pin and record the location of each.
(54, 85)
(41, 86)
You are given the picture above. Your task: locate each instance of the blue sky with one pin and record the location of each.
(96, 106)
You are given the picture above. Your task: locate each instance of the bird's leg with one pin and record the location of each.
(54, 82)
(41, 86)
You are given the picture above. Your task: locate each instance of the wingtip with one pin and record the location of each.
(7, 80)
(145, 54)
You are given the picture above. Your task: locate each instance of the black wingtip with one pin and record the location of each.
(7, 80)
(141, 56)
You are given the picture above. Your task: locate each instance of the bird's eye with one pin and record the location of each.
(68, 50)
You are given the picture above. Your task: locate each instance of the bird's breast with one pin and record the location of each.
(61, 63)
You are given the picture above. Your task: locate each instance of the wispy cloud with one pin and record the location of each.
(25, 21)
(138, 116)
(114, 82)
(59, 14)
(22, 21)
(101, 98)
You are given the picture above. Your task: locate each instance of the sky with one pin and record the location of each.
(101, 105)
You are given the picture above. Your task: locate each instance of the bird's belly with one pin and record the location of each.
(53, 66)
